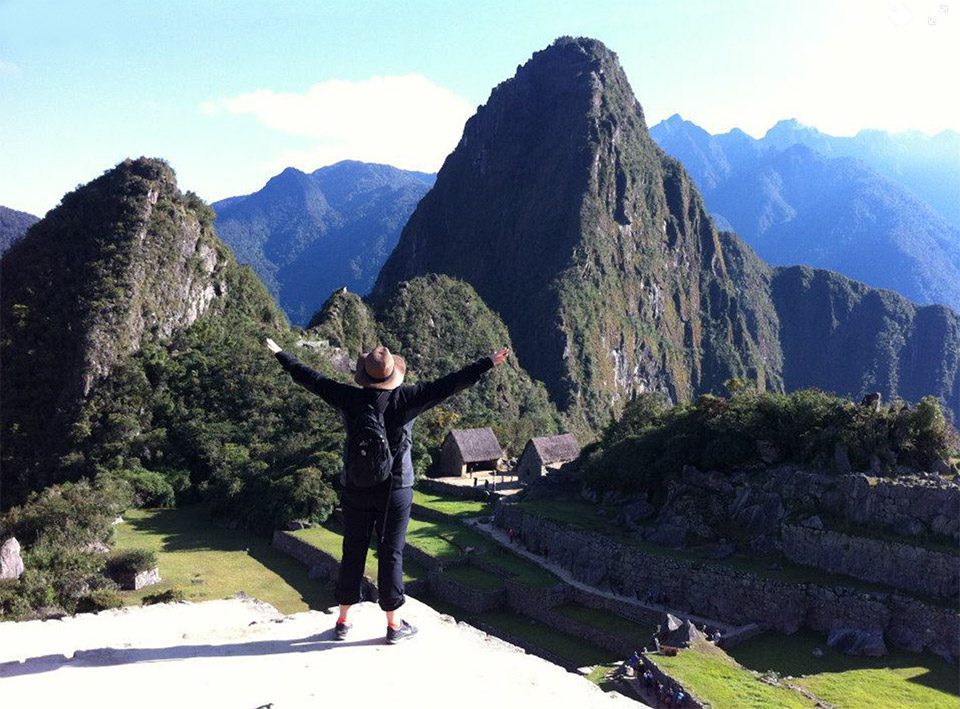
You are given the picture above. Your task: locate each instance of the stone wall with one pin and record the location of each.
(735, 597)
(472, 600)
(912, 507)
(902, 566)
(466, 492)
(540, 604)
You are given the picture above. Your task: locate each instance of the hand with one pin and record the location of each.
(500, 356)
(274, 347)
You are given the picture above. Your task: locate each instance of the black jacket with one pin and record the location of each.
(404, 403)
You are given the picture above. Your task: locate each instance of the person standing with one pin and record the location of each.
(378, 418)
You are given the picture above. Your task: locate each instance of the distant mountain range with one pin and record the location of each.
(306, 234)
(863, 206)
(13, 225)
(596, 250)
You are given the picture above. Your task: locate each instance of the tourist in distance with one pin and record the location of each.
(377, 475)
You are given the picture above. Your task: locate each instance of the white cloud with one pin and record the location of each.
(406, 121)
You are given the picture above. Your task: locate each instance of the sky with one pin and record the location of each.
(231, 92)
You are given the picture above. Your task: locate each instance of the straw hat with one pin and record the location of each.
(380, 370)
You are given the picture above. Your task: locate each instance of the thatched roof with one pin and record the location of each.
(556, 449)
(476, 444)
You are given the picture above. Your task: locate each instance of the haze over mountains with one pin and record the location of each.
(308, 234)
(875, 207)
(13, 225)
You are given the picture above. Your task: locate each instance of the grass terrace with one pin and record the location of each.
(474, 578)
(898, 680)
(715, 677)
(453, 507)
(443, 540)
(329, 539)
(209, 562)
(612, 623)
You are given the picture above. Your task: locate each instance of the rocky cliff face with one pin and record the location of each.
(589, 242)
(595, 249)
(123, 259)
(842, 336)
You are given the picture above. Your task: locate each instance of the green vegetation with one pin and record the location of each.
(440, 324)
(899, 680)
(131, 561)
(452, 506)
(473, 577)
(651, 443)
(330, 539)
(59, 530)
(608, 621)
(575, 650)
(443, 540)
(518, 568)
(715, 677)
(207, 562)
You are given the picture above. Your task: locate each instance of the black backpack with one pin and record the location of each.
(369, 458)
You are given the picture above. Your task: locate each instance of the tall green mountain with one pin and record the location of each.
(13, 225)
(795, 204)
(133, 346)
(589, 242)
(439, 324)
(306, 234)
(843, 336)
(595, 249)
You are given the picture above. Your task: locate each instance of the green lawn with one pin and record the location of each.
(520, 569)
(443, 540)
(330, 540)
(898, 680)
(611, 622)
(209, 562)
(713, 676)
(474, 578)
(452, 506)
(574, 649)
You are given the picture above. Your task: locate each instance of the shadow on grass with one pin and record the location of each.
(793, 655)
(192, 529)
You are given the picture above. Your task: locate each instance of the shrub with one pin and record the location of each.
(648, 444)
(99, 600)
(131, 561)
(171, 595)
(150, 489)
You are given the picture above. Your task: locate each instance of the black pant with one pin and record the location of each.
(362, 514)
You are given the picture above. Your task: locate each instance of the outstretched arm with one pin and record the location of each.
(334, 393)
(418, 398)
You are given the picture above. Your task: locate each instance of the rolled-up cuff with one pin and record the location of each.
(391, 604)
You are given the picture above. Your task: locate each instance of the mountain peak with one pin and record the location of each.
(546, 205)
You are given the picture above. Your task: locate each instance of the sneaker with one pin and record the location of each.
(340, 632)
(395, 635)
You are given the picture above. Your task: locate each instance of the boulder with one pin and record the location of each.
(812, 522)
(671, 624)
(11, 564)
(684, 635)
(857, 641)
(134, 581)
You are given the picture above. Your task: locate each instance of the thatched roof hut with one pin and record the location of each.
(546, 452)
(469, 450)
